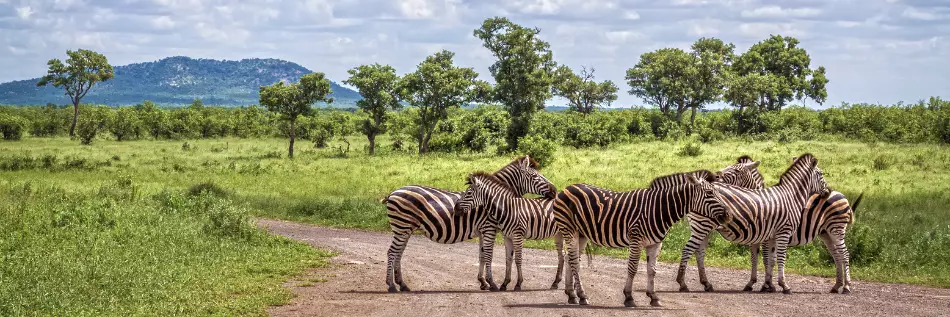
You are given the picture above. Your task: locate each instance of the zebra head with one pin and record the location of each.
(481, 187)
(706, 201)
(744, 173)
(523, 176)
(805, 169)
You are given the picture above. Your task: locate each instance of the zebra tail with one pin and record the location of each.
(854, 207)
(588, 249)
(383, 201)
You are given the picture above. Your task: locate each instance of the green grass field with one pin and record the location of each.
(156, 260)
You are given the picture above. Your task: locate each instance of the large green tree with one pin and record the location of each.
(786, 66)
(711, 58)
(293, 100)
(663, 78)
(523, 71)
(83, 69)
(436, 86)
(583, 94)
(377, 85)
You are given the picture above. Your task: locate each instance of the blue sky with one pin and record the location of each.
(878, 51)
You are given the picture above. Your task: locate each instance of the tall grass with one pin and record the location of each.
(900, 235)
(111, 249)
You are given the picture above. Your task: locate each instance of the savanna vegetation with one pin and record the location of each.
(143, 208)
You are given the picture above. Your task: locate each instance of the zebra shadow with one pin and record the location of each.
(383, 292)
(738, 292)
(591, 307)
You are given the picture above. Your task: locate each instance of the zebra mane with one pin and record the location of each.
(489, 176)
(799, 164)
(680, 178)
(531, 162)
(744, 159)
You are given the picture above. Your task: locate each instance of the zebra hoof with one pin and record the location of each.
(846, 291)
(517, 288)
(708, 287)
(748, 288)
(404, 288)
(787, 291)
(484, 287)
(766, 288)
(554, 286)
(684, 288)
(629, 303)
(392, 289)
(833, 290)
(584, 302)
(504, 287)
(493, 288)
(572, 300)
(655, 303)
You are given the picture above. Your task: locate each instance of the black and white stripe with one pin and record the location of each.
(768, 216)
(635, 219)
(517, 217)
(415, 207)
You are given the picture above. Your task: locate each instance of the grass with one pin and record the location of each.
(107, 250)
(900, 235)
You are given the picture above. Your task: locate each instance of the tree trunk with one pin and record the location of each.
(293, 134)
(372, 144)
(72, 127)
(692, 118)
(679, 115)
(424, 142)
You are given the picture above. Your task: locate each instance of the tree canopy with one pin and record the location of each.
(293, 100)
(436, 86)
(583, 94)
(83, 69)
(377, 85)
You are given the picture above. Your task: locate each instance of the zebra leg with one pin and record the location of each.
(653, 252)
(581, 243)
(838, 250)
(827, 241)
(698, 234)
(488, 251)
(572, 266)
(754, 251)
(559, 244)
(701, 264)
(781, 248)
(509, 256)
(483, 285)
(768, 259)
(632, 263)
(393, 259)
(518, 244)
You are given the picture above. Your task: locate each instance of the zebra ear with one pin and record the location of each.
(692, 179)
(753, 165)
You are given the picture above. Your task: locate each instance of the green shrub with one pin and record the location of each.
(691, 149)
(91, 121)
(882, 163)
(12, 127)
(541, 150)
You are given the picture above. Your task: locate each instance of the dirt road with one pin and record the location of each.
(443, 280)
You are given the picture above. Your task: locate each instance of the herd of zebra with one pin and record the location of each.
(733, 201)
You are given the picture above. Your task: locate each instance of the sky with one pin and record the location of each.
(876, 51)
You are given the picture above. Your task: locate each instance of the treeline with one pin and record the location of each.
(483, 128)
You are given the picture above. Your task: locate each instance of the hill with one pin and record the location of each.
(177, 81)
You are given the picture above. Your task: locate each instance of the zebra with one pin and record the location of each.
(518, 218)
(430, 209)
(637, 219)
(763, 216)
(828, 216)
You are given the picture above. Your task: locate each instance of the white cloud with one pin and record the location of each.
(774, 11)
(763, 30)
(24, 12)
(415, 8)
(618, 37)
(918, 14)
(631, 15)
(162, 22)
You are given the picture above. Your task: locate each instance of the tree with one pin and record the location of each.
(377, 85)
(786, 64)
(436, 86)
(523, 72)
(712, 58)
(83, 69)
(293, 100)
(583, 94)
(664, 78)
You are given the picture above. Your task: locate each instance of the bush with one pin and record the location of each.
(541, 150)
(882, 163)
(91, 121)
(12, 127)
(691, 149)
(208, 187)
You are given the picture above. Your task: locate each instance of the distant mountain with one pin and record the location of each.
(177, 81)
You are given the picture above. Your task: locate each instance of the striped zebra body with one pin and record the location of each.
(429, 209)
(826, 217)
(769, 216)
(516, 217)
(635, 219)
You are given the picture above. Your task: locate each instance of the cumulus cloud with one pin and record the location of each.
(867, 45)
